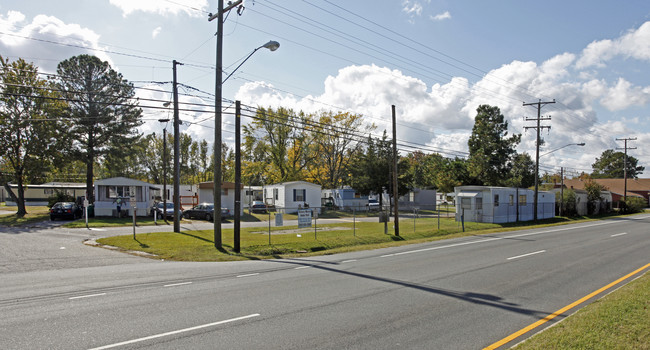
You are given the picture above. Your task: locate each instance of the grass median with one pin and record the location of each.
(620, 320)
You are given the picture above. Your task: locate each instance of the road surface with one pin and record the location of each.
(465, 293)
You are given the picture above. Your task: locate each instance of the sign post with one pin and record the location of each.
(133, 206)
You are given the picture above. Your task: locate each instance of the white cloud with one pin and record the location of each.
(57, 40)
(192, 8)
(155, 32)
(441, 16)
(412, 8)
(624, 95)
(634, 44)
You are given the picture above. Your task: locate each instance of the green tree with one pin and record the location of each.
(334, 147)
(521, 172)
(278, 145)
(31, 132)
(611, 165)
(490, 150)
(452, 173)
(103, 110)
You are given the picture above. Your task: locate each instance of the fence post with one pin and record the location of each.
(354, 222)
(269, 226)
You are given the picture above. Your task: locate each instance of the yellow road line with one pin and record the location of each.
(562, 310)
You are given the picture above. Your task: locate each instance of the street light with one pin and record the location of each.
(218, 90)
(557, 149)
(271, 45)
(561, 177)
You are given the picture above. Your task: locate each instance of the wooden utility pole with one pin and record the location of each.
(237, 226)
(625, 164)
(217, 117)
(177, 164)
(539, 127)
(395, 155)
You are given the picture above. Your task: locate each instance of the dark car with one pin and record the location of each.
(65, 210)
(205, 211)
(158, 208)
(258, 207)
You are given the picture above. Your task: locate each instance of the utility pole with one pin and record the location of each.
(164, 169)
(237, 227)
(561, 190)
(539, 127)
(217, 117)
(625, 164)
(395, 193)
(177, 164)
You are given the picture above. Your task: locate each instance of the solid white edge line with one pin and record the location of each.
(174, 332)
(177, 284)
(523, 255)
(248, 275)
(493, 239)
(301, 267)
(347, 261)
(619, 234)
(87, 296)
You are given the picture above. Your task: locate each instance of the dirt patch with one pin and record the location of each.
(302, 230)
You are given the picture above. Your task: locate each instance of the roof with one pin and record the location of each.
(290, 183)
(121, 181)
(616, 186)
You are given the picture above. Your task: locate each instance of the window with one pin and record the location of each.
(299, 195)
(275, 194)
(357, 195)
(118, 191)
(465, 202)
(522, 199)
(479, 204)
(496, 200)
(512, 200)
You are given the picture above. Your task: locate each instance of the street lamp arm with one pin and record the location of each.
(271, 45)
(557, 149)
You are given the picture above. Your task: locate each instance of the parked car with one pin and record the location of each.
(373, 205)
(258, 207)
(65, 210)
(160, 208)
(205, 211)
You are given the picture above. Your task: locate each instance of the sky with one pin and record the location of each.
(435, 60)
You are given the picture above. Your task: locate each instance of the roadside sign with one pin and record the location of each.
(304, 218)
(279, 220)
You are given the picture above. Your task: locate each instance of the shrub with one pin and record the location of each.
(59, 196)
(635, 204)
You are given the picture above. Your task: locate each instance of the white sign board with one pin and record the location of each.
(304, 218)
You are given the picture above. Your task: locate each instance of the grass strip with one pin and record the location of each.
(620, 320)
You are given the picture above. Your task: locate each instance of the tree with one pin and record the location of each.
(334, 146)
(452, 173)
(278, 145)
(490, 151)
(521, 172)
(31, 134)
(103, 110)
(610, 165)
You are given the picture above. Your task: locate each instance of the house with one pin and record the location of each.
(37, 195)
(288, 197)
(206, 195)
(635, 187)
(418, 198)
(501, 204)
(107, 191)
(187, 194)
(345, 198)
(581, 205)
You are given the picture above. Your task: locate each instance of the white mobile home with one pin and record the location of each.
(206, 195)
(107, 191)
(346, 198)
(288, 197)
(39, 194)
(501, 204)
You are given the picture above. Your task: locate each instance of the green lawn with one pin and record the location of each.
(34, 215)
(620, 320)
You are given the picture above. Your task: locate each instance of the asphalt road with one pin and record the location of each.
(456, 294)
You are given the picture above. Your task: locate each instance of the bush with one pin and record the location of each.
(635, 205)
(59, 196)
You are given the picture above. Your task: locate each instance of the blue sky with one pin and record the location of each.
(436, 61)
